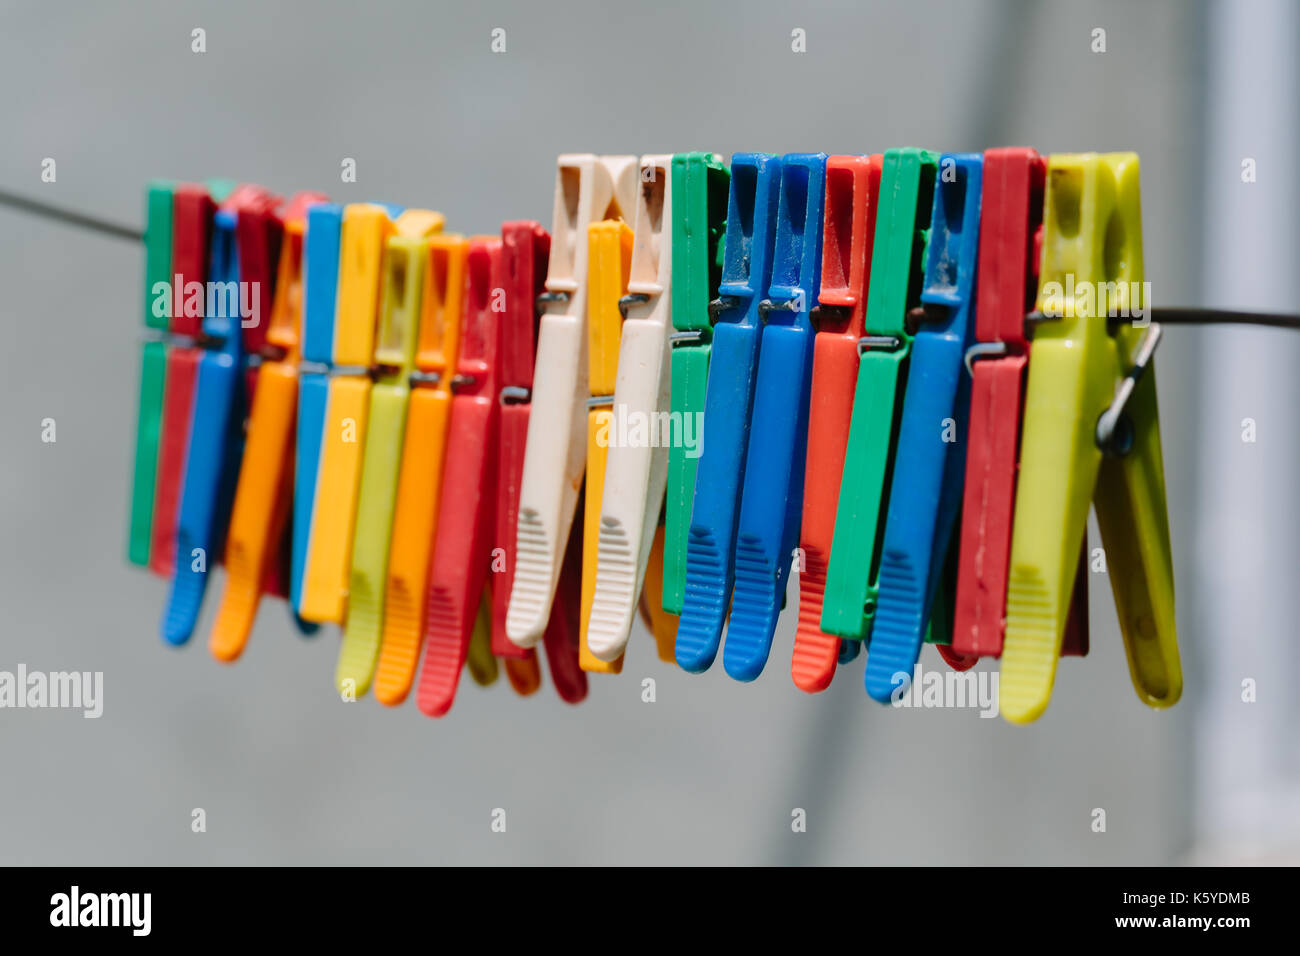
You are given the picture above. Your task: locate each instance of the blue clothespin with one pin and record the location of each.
(930, 462)
(771, 502)
(217, 429)
(746, 271)
(320, 265)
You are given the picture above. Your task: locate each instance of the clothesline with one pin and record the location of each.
(1166, 315)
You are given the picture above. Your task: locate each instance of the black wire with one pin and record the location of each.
(1188, 315)
(23, 204)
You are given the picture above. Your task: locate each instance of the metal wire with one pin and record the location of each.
(1165, 315)
(67, 216)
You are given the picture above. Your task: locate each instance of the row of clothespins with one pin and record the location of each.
(703, 377)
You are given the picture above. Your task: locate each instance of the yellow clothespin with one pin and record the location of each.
(420, 480)
(587, 189)
(404, 268)
(609, 260)
(1075, 449)
(364, 238)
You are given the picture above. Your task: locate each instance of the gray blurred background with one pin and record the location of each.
(710, 773)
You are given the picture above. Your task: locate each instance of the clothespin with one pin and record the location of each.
(587, 189)
(771, 503)
(406, 256)
(1091, 433)
(246, 234)
(192, 209)
(609, 260)
(564, 629)
(479, 660)
(930, 461)
(320, 276)
(700, 185)
(733, 362)
(265, 488)
(153, 369)
(852, 198)
(363, 241)
(526, 248)
(424, 453)
(636, 469)
(1011, 219)
(902, 231)
(466, 523)
(661, 622)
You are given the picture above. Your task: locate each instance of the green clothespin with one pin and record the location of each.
(220, 189)
(897, 270)
(153, 368)
(700, 184)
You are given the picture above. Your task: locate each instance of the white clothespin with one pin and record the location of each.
(588, 189)
(637, 472)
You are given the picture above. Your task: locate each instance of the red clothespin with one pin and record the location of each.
(526, 250)
(466, 519)
(564, 627)
(192, 211)
(1011, 226)
(852, 189)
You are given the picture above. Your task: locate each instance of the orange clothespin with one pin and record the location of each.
(265, 488)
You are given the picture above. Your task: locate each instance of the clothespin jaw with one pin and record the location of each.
(700, 185)
(363, 240)
(245, 243)
(564, 630)
(587, 189)
(661, 622)
(153, 367)
(902, 232)
(424, 453)
(320, 271)
(192, 210)
(462, 550)
(1092, 249)
(746, 274)
(609, 257)
(771, 504)
(479, 660)
(264, 490)
(525, 248)
(852, 199)
(406, 255)
(930, 463)
(636, 470)
(284, 331)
